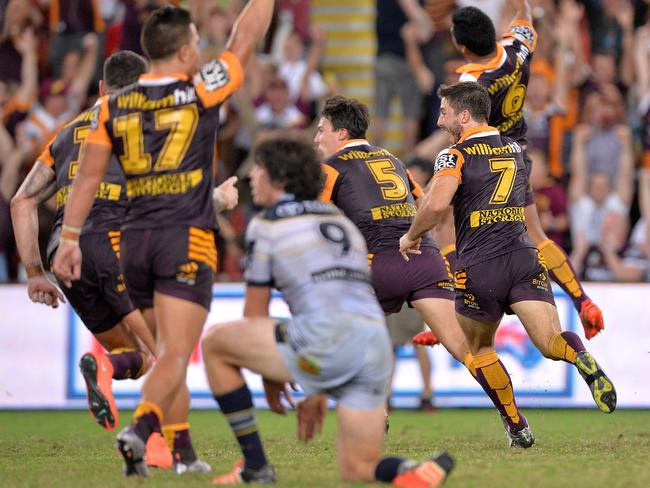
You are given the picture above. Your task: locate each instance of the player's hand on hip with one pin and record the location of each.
(409, 246)
(274, 392)
(226, 195)
(311, 414)
(67, 263)
(42, 290)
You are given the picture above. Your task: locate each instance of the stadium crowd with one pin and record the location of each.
(587, 105)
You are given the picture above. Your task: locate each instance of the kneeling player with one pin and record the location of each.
(100, 298)
(336, 342)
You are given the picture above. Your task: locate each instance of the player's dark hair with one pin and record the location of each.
(122, 69)
(473, 29)
(293, 161)
(467, 95)
(425, 165)
(347, 113)
(165, 31)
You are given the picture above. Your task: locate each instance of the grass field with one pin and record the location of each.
(574, 448)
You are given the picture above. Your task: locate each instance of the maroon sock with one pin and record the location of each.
(573, 340)
(183, 449)
(126, 365)
(145, 425)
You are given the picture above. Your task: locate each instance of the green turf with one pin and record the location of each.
(574, 448)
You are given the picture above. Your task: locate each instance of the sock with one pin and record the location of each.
(388, 468)
(179, 441)
(240, 413)
(127, 363)
(449, 255)
(468, 361)
(565, 346)
(493, 377)
(147, 419)
(562, 271)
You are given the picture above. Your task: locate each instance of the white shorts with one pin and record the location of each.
(346, 356)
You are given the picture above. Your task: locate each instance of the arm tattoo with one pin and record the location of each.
(40, 183)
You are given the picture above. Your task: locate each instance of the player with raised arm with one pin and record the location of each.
(100, 297)
(162, 129)
(499, 270)
(336, 342)
(503, 69)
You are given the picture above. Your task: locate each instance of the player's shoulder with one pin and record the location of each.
(449, 158)
(520, 32)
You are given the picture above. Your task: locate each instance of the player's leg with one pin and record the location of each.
(563, 274)
(424, 362)
(179, 323)
(126, 358)
(541, 321)
(492, 375)
(440, 316)
(224, 354)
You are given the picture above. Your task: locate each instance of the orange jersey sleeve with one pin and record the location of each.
(449, 162)
(331, 175)
(416, 189)
(218, 79)
(46, 155)
(98, 134)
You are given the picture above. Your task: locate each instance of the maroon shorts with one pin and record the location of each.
(395, 281)
(100, 297)
(530, 196)
(176, 261)
(485, 291)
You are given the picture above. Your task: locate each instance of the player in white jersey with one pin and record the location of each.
(336, 342)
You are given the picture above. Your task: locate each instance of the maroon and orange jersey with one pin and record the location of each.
(374, 190)
(490, 200)
(62, 154)
(505, 77)
(163, 131)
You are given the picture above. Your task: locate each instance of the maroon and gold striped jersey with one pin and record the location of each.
(505, 77)
(163, 131)
(62, 154)
(490, 200)
(374, 190)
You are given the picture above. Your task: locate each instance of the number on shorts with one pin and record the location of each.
(337, 235)
(181, 123)
(507, 167)
(391, 183)
(80, 134)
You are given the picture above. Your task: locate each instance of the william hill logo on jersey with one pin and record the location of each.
(489, 217)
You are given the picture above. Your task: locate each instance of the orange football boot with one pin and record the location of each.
(97, 371)
(426, 338)
(157, 451)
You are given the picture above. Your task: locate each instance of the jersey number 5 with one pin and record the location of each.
(507, 167)
(391, 184)
(181, 123)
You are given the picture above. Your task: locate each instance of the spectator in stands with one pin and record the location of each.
(299, 70)
(61, 101)
(278, 109)
(392, 74)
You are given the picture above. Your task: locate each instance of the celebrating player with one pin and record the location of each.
(503, 68)
(100, 297)
(163, 129)
(499, 269)
(336, 342)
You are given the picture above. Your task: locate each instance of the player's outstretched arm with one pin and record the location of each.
(521, 9)
(249, 28)
(39, 185)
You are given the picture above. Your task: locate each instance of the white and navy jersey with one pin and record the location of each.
(314, 255)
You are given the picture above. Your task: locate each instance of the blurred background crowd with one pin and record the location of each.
(587, 102)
